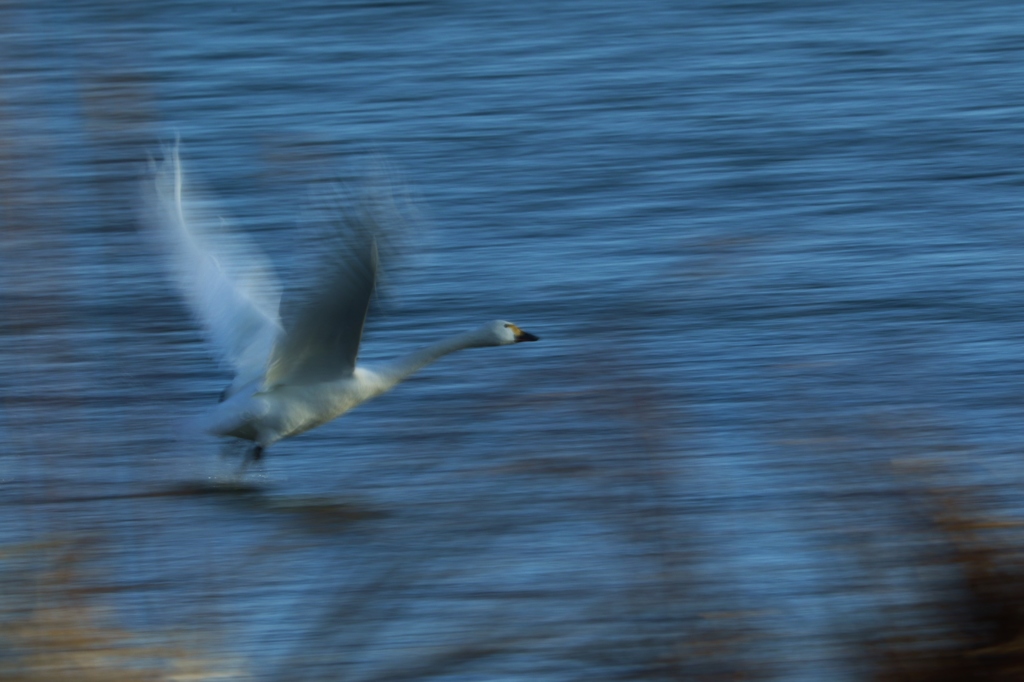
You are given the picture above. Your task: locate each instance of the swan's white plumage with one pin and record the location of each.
(227, 282)
(294, 375)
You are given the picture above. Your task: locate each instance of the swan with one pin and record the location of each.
(299, 372)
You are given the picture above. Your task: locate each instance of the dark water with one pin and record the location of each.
(773, 250)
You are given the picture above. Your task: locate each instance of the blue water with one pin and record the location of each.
(772, 249)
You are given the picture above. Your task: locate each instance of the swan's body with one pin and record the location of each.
(290, 376)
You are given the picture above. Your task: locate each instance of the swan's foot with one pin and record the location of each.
(247, 453)
(253, 456)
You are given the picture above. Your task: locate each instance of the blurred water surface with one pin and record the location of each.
(771, 248)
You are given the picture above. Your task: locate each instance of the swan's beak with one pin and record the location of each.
(525, 336)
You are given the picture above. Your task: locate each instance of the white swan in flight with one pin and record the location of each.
(296, 374)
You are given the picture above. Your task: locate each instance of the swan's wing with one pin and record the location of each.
(226, 281)
(322, 333)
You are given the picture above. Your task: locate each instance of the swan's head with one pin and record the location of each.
(502, 333)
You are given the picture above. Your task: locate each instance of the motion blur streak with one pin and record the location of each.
(773, 431)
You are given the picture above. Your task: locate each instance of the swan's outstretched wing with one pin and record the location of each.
(322, 333)
(226, 280)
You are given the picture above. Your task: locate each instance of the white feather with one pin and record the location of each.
(228, 284)
(296, 375)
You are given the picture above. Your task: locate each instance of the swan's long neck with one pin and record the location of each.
(402, 368)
